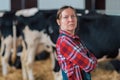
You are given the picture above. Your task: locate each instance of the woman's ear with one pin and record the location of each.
(58, 21)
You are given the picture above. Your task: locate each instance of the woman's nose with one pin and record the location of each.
(70, 18)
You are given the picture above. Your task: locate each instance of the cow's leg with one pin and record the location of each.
(31, 50)
(23, 61)
(13, 57)
(2, 47)
(4, 59)
(118, 57)
(30, 59)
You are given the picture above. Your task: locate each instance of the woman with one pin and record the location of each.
(71, 55)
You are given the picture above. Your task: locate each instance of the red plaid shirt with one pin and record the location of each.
(72, 56)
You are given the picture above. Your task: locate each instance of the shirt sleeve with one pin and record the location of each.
(73, 53)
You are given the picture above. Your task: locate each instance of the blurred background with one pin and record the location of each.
(42, 68)
(103, 6)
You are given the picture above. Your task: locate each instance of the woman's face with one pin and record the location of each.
(68, 20)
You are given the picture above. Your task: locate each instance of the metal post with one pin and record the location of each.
(93, 5)
(22, 4)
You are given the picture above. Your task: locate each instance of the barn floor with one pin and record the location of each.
(42, 71)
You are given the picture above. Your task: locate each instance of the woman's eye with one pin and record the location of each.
(73, 16)
(65, 17)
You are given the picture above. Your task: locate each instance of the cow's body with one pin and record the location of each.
(35, 36)
(100, 34)
(31, 30)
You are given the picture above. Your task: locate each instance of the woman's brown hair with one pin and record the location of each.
(63, 8)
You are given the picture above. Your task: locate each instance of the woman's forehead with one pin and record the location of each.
(68, 11)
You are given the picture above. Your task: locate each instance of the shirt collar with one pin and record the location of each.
(68, 34)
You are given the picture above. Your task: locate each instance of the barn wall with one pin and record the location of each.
(113, 7)
(55, 4)
(5, 5)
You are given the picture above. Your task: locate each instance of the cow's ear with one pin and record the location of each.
(58, 22)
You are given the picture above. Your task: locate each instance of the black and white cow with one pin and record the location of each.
(30, 27)
(33, 30)
(7, 42)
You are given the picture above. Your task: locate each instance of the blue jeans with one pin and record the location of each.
(64, 75)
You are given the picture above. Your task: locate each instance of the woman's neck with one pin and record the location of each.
(71, 32)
